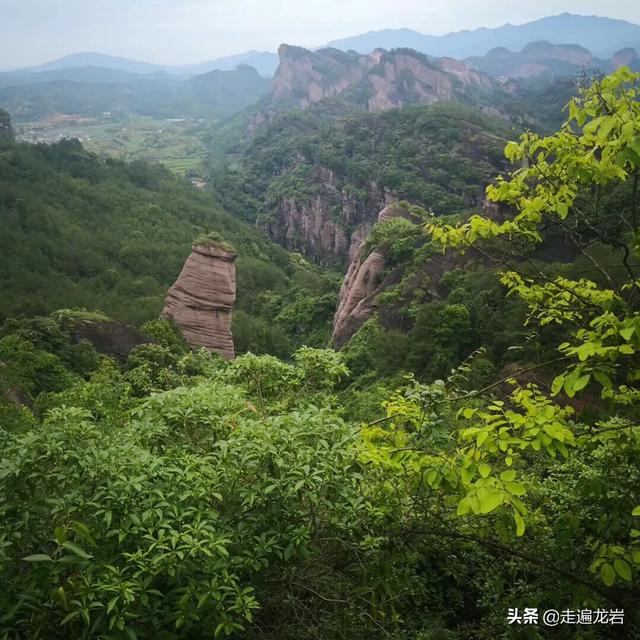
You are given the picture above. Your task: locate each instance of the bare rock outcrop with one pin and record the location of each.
(357, 300)
(332, 223)
(371, 275)
(107, 336)
(627, 57)
(6, 130)
(357, 297)
(304, 77)
(201, 300)
(391, 78)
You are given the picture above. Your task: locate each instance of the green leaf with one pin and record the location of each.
(517, 488)
(574, 383)
(484, 469)
(520, 527)
(622, 569)
(112, 603)
(59, 535)
(83, 531)
(77, 550)
(508, 476)
(581, 382)
(431, 478)
(557, 385)
(608, 574)
(464, 507)
(636, 511)
(562, 209)
(627, 332)
(554, 430)
(490, 501)
(603, 379)
(38, 557)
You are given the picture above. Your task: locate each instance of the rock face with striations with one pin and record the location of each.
(6, 131)
(378, 81)
(309, 226)
(361, 285)
(202, 298)
(371, 275)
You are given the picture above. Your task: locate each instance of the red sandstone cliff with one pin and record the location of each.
(357, 300)
(202, 298)
(390, 78)
(311, 227)
(371, 275)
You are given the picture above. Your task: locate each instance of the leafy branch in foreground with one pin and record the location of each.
(506, 456)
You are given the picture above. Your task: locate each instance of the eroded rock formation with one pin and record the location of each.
(388, 79)
(357, 300)
(6, 130)
(332, 223)
(371, 275)
(201, 300)
(627, 57)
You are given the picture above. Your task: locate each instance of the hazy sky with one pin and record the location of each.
(183, 31)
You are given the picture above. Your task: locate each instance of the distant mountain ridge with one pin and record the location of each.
(102, 75)
(95, 59)
(602, 36)
(264, 62)
(90, 91)
(542, 58)
(375, 82)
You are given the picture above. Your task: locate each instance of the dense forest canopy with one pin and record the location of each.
(439, 156)
(91, 91)
(81, 231)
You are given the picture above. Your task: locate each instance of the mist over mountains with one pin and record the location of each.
(603, 37)
(262, 61)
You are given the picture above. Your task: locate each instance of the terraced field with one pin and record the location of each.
(175, 143)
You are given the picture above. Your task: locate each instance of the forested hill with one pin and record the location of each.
(82, 231)
(316, 183)
(92, 91)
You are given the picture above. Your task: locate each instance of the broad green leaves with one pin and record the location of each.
(553, 188)
(170, 515)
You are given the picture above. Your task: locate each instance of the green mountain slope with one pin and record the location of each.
(309, 166)
(79, 231)
(174, 494)
(90, 92)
